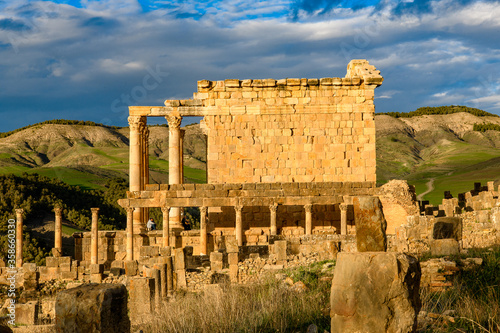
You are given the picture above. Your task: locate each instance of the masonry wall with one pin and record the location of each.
(292, 130)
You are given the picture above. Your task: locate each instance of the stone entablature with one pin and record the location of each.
(247, 194)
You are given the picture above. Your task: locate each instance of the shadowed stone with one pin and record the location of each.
(370, 224)
(92, 308)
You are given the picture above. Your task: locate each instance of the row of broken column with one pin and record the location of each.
(238, 225)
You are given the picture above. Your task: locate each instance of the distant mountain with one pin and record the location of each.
(87, 154)
(443, 147)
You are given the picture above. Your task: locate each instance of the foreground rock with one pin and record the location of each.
(93, 308)
(375, 292)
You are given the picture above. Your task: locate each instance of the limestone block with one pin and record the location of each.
(52, 262)
(96, 268)
(179, 259)
(69, 276)
(375, 290)
(181, 282)
(447, 227)
(444, 247)
(280, 250)
(92, 308)
(131, 267)
(232, 258)
(96, 278)
(27, 313)
(370, 224)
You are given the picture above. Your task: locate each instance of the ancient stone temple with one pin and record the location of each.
(283, 155)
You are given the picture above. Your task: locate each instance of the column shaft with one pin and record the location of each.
(273, 208)
(58, 230)
(239, 224)
(145, 168)
(203, 230)
(343, 219)
(19, 237)
(94, 241)
(308, 209)
(174, 164)
(130, 233)
(136, 125)
(166, 228)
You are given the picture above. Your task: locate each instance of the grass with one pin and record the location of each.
(474, 299)
(70, 230)
(268, 306)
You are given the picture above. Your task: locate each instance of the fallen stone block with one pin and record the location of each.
(375, 292)
(444, 247)
(370, 224)
(92, 308)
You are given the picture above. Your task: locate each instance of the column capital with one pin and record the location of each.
(19, 211)
(174, 121)
(94, 210)
(137, 123)
(308, 208)
(273, 207)
(145, 132)
(58, 210)
(165, 209)
(204, 210)
(238, 207)
(129, 209)
(343, 206)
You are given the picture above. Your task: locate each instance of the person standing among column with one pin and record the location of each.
(19, 237)
(57, 251)
(94, 241)
(174, 164)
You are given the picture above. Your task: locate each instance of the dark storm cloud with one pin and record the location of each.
(13, 25)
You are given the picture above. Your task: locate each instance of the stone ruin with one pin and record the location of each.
(290, 170)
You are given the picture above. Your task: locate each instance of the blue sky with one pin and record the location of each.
(89, 60)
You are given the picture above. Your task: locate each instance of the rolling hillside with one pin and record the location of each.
(440, 147)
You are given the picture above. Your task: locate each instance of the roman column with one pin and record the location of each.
(203, 230)
(130, 233)
(308, 209)
(94, 241)
(239, 224)
(273, 208)
(181, 155)
(174, 164)
(57, 232)
(19, 237)
(145, 168)
(343, 219)
(136, 125)
(166, 229)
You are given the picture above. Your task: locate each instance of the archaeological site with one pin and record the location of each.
(291, 180)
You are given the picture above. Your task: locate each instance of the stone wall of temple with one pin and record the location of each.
(303, 130)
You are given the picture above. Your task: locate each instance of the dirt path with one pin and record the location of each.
(430, 188)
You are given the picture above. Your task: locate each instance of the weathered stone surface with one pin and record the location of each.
(370, 224)
(444, 247)
(447, 227)
(131, 267)
(280, 250)
(141, 298)
(92, 308)
(375, 292)
(27, 313)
